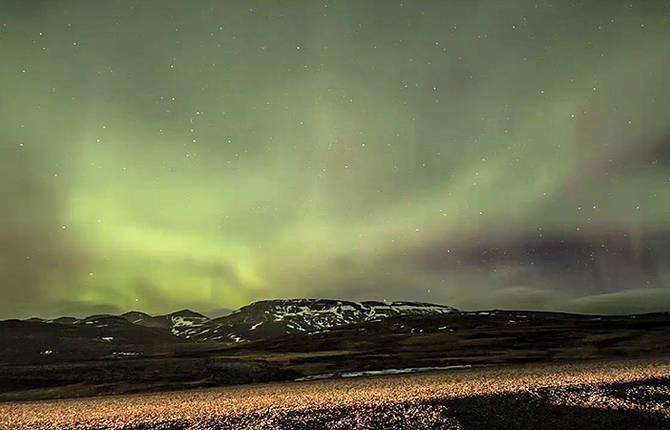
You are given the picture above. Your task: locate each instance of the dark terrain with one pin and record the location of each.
(589, 395)
(299, 339)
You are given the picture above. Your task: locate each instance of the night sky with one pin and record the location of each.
(156, 155)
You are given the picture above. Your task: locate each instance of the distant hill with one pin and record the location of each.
(100, 336)
(136, 333)
(173, 321)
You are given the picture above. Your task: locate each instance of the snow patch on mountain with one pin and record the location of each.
(271, 318)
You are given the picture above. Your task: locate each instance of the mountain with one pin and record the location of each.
(176, 322)
(271, 318)
(95, 337)
(135, 317)
(138, 334)
(279, 317)
(267, 319)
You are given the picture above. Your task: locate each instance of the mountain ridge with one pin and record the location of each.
(278, 317)
(261, 319)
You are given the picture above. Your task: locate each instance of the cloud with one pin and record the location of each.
(518, 298)
(633, 301)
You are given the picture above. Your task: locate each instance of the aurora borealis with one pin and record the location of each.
(157, 155)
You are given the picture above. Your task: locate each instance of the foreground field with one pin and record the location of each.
(626, 395)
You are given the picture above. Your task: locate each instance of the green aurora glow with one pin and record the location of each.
(159, 155)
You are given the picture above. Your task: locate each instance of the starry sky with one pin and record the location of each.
(157, 155)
